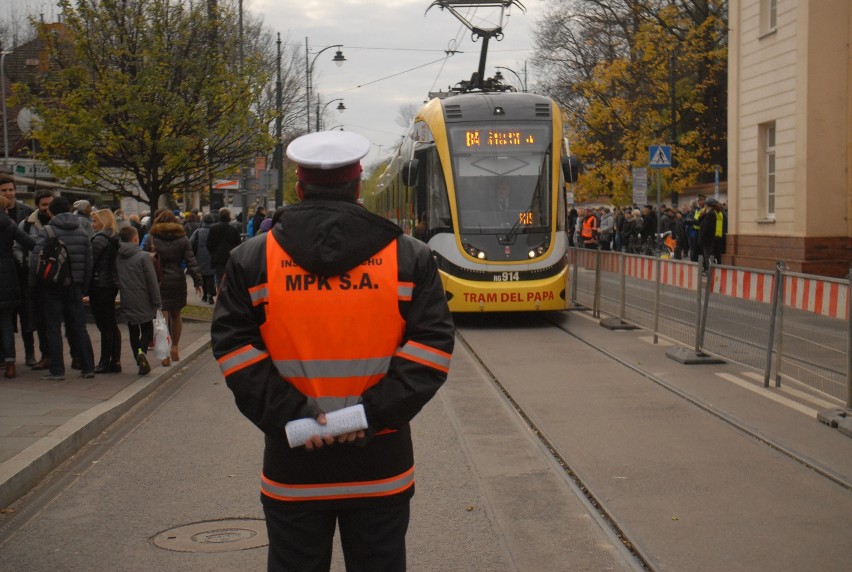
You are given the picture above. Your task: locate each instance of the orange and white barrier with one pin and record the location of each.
(679, 275)
(743, 284)
(818, 296)
(641, 268)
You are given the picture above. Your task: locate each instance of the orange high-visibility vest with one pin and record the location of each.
(316, 328)
(332, 338)
(589, 224)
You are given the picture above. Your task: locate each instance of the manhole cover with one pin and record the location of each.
(214, 536)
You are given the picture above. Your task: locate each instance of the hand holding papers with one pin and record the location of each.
(346, 420)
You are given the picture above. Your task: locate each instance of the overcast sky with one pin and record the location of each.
(383, 42)
(395, 55)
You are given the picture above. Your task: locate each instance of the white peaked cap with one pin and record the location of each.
(328, 150)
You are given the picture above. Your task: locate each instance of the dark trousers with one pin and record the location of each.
(67, 303)
(208, 285)
(372, 538)
(32, 322)
(102, 301)
(694, 248)
(219, 268)
(7, 333)
(141, 336)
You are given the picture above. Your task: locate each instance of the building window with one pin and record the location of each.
(767, 170)
(768, 16)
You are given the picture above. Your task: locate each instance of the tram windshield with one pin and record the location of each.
(502, 178)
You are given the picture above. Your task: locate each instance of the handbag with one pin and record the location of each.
(162, 338)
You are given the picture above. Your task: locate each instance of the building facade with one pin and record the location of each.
(790, 135)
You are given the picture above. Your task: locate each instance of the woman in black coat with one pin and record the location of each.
(168, 239)
(103, 289)
(11, 297)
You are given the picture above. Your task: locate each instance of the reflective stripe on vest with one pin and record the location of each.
(259, 294)
(384, 487)
(239, 359)
(426, 356)
(316, 328)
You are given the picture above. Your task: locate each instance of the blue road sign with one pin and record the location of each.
(660, 156)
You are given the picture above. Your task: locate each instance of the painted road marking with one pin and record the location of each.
(780, 399)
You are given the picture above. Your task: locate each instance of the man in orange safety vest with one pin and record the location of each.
(334, 310)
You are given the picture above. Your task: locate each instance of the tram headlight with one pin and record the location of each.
(538, 251)
(473, 251)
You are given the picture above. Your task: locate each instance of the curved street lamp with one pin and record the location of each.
(309, 70)
(340, 108)
(522, 83)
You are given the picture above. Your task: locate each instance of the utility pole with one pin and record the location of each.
(279, 145)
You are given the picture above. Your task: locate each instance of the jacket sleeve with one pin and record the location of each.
(192, 264)
(89, 265)
(260, 393)
(33, 262)
(420, 365)
(151, 284)
(23, 240)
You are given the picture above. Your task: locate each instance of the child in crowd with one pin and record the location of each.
(140, 294)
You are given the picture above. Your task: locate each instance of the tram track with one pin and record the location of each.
(595, 498)
(720, 414)
(577, 483)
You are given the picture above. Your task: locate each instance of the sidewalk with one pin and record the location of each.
(43, 423)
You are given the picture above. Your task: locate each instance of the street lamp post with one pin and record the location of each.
(279, 145)
(340, 107)
(523, 82)
(309, 70)
(5, 126)
(716, 170)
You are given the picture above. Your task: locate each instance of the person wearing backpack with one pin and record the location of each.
(64, 300)
(103, 289)
(11, 297)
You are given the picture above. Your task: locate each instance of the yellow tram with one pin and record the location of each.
(481, 178)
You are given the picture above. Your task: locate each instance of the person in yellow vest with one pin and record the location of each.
(712, 232)
(334, 310)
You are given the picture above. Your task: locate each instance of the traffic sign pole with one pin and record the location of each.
(659, 157)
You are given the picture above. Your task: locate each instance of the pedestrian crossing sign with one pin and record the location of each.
(660, 156)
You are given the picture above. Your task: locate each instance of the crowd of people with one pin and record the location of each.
(140, 261)
(695, 231)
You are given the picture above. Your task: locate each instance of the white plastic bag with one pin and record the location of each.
(162, 338)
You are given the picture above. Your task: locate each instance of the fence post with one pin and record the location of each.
(779, 266)
(596, 310)
(659, 262)
(698, 340)
(711, 274)
(779, 355)
(622, 258)
(574, 277)
(849, 342)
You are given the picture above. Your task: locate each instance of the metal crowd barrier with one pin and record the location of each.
(812, 345)
(794, 326)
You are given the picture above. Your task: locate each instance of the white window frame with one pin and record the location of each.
(768, 173)
(768, 16)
